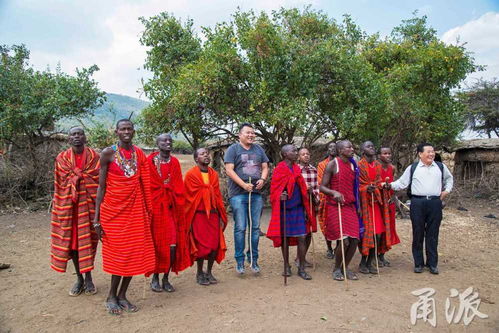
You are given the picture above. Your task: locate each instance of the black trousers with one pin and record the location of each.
(426, 216)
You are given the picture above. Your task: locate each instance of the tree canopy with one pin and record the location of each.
(482, 101)
(301, 73)
(32, 101)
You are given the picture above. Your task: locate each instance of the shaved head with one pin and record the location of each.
(76, 128)
(341, 144)
(163, 135)
(286, 148)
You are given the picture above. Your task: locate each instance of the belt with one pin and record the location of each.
(427, 197)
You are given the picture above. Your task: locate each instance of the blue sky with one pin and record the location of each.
(81, 33)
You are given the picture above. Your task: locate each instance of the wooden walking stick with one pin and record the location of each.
(285, 242)
(250, 235)
(375, 241)
(342, 246)
(312, 238)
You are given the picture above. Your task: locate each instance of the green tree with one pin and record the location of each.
(420, 73)
(32, 101)
(291, 73)
(302, 73)
(482, 102)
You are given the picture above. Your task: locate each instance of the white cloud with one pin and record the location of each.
(121, 60)
(481, 38)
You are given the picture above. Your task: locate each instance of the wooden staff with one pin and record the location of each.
(342, 246)
(312, 237)
(285, 242)
(250, 235)
(374, 230)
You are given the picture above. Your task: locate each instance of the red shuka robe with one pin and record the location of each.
(387, 195)
(284, 178)
(73, 209)
(125, 215)
(168, 225)
(207, 196)
(365, 180)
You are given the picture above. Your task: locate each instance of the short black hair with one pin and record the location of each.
(124, 120)
(299, 150)
(363, 144)
(196, 152)
(420, 147)
(244, 125)
(168, 134)
(384, 147)
(76, 127)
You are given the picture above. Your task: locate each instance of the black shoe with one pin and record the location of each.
(434, 270)
(418, 269)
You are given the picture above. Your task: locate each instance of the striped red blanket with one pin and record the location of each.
(74, 187)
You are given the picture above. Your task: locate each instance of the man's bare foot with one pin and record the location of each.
(112, 306)
(126, 305)
(90, 288)
(77, 288)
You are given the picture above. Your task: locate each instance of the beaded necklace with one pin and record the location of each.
(128, 166)
(157, 162)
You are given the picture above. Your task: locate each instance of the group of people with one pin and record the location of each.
(152, 221)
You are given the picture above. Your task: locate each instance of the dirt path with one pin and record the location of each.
(34, 298)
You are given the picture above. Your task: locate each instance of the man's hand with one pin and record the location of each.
(259, 184)
(443, 195)
(284, 196)
(338, 197)
(248, 187)
(386, 184)
(98, 230)
(371, 188)
(310, 189)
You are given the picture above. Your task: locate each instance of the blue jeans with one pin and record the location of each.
(239, 204)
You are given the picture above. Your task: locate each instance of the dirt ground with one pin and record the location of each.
(33, 298)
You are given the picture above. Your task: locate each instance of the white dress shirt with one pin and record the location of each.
(427, 180)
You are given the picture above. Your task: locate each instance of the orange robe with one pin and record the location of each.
(381, 217)
(321, 215)
(209, 198)
(125, 216)
(73, 209)
(168, 223)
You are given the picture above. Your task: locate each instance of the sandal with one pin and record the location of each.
(201, 279)
(155, 286)
(304, 275)
(338, 276)
(287, 273)
(77, 289)
(113, 308)
(167, 286)
(351, 275)
(211, 279)
(373, 270)
(127, 306)
(90, 288)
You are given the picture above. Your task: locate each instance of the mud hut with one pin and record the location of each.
(477, 161)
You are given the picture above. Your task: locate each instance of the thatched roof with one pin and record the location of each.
(477, 144)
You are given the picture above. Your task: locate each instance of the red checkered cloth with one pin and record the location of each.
(309, 173)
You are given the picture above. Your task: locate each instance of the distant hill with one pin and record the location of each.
(114, 108)
(119, 107)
